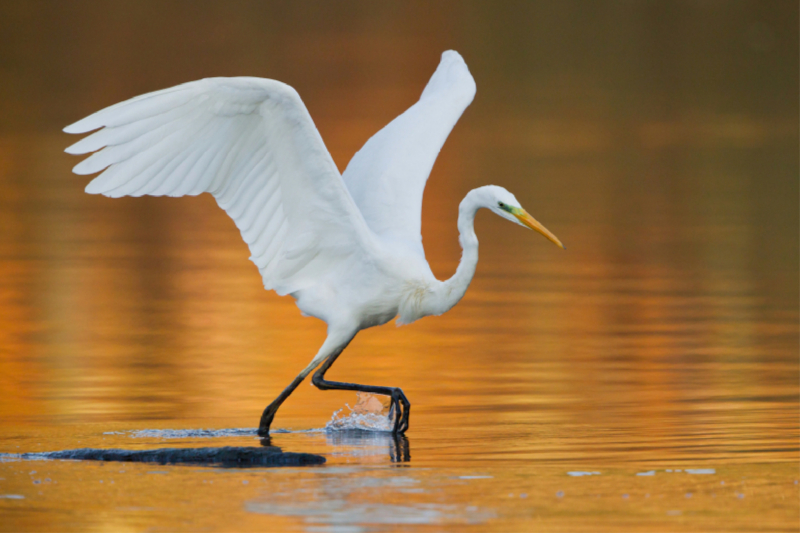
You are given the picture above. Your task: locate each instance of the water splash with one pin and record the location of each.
(367, 415)
(358, 421)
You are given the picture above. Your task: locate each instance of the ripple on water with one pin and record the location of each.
(344, 508)
(193, 433)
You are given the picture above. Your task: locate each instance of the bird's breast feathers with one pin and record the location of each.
(412, 302)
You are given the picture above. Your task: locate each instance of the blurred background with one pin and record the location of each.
(658, 140)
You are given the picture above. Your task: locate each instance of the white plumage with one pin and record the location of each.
(250, 143)
(387, 176)
(347, 247)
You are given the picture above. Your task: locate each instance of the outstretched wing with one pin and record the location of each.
(387, 176)
(251, 143)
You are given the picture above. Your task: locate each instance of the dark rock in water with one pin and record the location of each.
(228, 456)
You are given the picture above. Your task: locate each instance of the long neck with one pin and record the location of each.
(450, 292)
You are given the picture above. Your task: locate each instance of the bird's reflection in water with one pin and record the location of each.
(372, 443)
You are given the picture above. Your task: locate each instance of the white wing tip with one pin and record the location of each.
(76, 148)
(452, 55)
(451, 74)
(93, 188)
(83, 126)
(86, 167)
(96, 186)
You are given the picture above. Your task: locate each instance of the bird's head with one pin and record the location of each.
(503, 203)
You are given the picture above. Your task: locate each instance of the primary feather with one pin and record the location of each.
(387, 176)
(249, 142)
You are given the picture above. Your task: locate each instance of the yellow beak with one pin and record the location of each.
(534, 224)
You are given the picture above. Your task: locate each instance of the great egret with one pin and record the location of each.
(346, 247)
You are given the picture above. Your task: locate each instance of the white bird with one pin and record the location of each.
(347, 247)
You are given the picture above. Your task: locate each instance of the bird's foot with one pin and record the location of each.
(266, 421)
(399, 411)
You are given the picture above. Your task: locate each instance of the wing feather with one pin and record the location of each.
(265, 260)
(133, 110)
(271, 223)
(111, 136)
(247, 208)
(387, 176)
(250, 143)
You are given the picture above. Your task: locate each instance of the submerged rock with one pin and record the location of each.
(228, 456)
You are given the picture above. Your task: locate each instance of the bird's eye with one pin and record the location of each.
(501, 204)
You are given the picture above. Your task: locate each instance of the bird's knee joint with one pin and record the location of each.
(318, 381)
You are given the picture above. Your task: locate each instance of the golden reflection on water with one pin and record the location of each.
(665, 336)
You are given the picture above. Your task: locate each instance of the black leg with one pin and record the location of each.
(337, 341)
(400, 404)
(269, 412)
